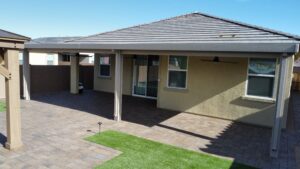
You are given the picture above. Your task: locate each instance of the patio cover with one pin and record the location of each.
(195, 32)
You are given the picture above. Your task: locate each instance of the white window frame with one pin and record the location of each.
(262, 75)
(99, 72)
(186, 71)
(21, 59)
(50, 58)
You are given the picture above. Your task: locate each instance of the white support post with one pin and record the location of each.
(280, 103)
(74, 70)
(12, 86)
(118, 86)
(26, 75)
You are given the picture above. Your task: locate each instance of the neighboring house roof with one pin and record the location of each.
(49, 40)
(191, 32)
(12, 36)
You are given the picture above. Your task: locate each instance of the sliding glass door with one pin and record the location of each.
(145, 76)
(140, 75)
(152, 76)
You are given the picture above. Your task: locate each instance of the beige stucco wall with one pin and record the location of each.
(42, 58)
(296, 79)
(216, 89)
(107, 84)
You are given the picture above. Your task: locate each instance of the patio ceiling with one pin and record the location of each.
(195, 32)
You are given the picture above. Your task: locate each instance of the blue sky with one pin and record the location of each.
(40, 18)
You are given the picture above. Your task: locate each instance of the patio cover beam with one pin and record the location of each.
(196, 47)
(280, 103)
(4, 72)
(11, 45)
(118, 86)
(13, 115)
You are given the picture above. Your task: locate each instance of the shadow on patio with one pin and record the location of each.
(244, 143)
(135, 110)
(2, 139)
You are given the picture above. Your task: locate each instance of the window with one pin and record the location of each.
(261, 77)
(177, 72)
(50, 59)
(104, 66)
(20, 58)
(66, 58)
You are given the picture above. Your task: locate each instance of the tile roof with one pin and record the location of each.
(9, 35)
(192, 32)
(49, 40)
(191, 28)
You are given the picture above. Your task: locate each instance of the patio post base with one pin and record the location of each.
(116, 118)
(14, 146)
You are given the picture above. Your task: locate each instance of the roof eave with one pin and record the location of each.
(14, 39)
(197, 47)
(15, 36)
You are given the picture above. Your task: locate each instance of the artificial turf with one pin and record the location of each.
(139, 153)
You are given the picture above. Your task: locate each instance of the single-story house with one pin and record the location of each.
(195, 63)
(40, 58)
(49, 59)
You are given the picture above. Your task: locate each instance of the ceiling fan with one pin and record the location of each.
(216, 59)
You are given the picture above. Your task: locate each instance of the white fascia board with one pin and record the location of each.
(197, 47)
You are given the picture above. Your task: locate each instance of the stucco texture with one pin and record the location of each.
(107, 84)
(217, 90)
(213, 89)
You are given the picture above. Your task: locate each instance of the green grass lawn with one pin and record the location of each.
(139, 153)
(2, 106)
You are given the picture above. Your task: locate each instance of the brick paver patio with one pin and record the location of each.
(54, 126)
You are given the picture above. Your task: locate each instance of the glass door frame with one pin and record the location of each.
(134, 78)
